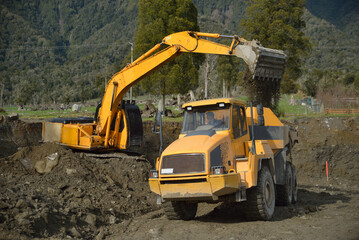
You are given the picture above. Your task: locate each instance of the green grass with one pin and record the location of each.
(43, 114)
(287, 111)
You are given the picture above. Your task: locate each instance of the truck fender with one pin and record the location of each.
(269, 163)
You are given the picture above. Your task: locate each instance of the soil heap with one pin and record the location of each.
(78, 196)
(49, 191)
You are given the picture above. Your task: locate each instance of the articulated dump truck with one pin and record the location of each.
(227, 152)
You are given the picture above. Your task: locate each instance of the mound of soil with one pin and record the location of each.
(332, 140)
(16, 133)
(83, 196)
(78, 197)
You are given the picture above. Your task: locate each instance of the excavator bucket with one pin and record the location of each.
(264, 63)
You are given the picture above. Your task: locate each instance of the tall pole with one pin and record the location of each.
(131, 62)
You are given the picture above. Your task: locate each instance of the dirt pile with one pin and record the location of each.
(335, 140)
(78, 198)
(151, 142)
(16, 133)
(83, 196)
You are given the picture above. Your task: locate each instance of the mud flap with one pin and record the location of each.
(241, 195)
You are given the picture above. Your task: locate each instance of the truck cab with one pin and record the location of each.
(215, 157)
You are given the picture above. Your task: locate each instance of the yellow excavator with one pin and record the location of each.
(118, 125)
(226, 150)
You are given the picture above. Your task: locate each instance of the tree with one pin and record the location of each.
(228, 70)
(311, 84)
(158, 19)
(356, 82)
(279, 24)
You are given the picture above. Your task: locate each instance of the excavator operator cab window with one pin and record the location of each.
(206, 118)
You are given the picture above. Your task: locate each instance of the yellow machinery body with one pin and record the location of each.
(186, 168)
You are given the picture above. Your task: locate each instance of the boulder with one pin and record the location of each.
(76, 108)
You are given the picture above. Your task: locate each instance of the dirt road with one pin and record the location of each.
(83, 197)
(321, 213)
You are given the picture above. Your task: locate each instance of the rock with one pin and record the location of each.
(21, 204)
(100, 235)
(21, 217)
(14, 116)
(76, 108)
(112, 219)
(91, 219)
(109, 179)
(75, 233)
(73, 219)
(40, 166)
(46, 165)
(79, 194)
(154, 231)
(169, 113)
(70, 171)
(27, 163)
(86, 202)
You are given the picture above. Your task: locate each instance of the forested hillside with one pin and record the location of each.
(55, 51)
(61, 51)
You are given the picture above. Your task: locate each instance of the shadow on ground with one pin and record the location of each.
(308, 202)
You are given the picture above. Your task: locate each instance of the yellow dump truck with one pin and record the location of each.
(227, 152)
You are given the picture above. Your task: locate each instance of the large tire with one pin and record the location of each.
(295, 185)
(180, 210)
(260, 202)
(285, 192)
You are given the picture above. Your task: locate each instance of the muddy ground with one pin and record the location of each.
(79, 196)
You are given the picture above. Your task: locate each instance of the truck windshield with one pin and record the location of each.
(206, 118)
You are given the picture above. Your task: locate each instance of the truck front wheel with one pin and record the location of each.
(180, 210)
(261, 199)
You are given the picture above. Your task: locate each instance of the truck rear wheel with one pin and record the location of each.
(180, 210)
(285, 192)
(295, 185)
(261, 199)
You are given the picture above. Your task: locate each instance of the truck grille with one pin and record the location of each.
(183, 163)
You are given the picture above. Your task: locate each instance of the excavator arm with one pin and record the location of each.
(263, 63)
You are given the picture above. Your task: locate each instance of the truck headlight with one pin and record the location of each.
(153, 174)
(218, 170)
